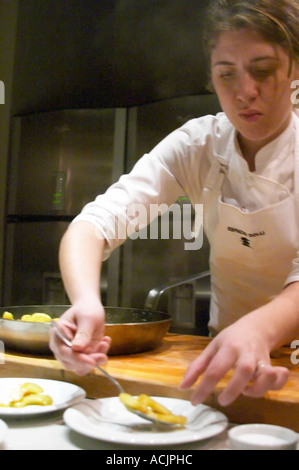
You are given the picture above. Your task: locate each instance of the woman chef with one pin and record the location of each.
(243, 166)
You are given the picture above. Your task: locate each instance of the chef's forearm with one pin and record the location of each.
(80, 258)
(279, 319)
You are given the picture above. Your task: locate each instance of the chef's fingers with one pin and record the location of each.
(103, 346)
(88, 363)
(268, 378)
(197, 367)
(89, 332)
(244, 370)
(55, 343)
(221, 363)
(79, 363)
(66, 327)
(97, 346)
(82, 340)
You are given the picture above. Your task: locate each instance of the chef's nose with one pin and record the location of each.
(247, 88)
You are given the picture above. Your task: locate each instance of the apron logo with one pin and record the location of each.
(246, 242)
(246, 237)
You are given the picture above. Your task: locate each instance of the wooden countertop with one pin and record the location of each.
(159, 373)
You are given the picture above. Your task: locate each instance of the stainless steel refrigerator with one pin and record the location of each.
(60, 160)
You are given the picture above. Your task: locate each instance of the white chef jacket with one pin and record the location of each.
(179, 166)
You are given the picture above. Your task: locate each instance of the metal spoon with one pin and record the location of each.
(154, 420)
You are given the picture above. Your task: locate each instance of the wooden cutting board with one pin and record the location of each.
(159, 373)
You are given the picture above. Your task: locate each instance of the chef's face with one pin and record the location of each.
(251, 78)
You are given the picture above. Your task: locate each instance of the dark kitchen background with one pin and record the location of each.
(91, 85)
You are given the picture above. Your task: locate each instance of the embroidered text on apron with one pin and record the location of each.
(251, 254)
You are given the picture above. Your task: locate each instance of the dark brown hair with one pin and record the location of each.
(277, 21)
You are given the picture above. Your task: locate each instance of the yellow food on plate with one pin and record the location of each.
(33, 399)
(22, 390)
(155, 406)
(34, 317)
(148, 406)
(27, 394)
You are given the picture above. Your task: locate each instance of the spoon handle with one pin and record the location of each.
(116, 383)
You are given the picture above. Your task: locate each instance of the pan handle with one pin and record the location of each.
(153, 297)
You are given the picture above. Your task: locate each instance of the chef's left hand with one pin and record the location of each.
(242, 349)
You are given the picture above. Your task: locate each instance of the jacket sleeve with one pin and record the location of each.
(174, 168)
(132, 203)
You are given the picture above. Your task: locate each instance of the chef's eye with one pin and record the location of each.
(227, 74)
(262, 73)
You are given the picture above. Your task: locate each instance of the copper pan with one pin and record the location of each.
(131, 330)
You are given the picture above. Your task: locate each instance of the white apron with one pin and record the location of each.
(251, 254)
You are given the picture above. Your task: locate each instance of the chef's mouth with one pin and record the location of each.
(251, 116)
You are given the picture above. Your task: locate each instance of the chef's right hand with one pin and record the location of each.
(83, 324)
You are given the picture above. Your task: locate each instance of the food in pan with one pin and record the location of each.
(34, 317)
(7, 316)
(147, 405)
(37, 317)
(27, 394)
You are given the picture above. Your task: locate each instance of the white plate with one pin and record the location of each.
(63, 394)
(3, 430)
(108, 420)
